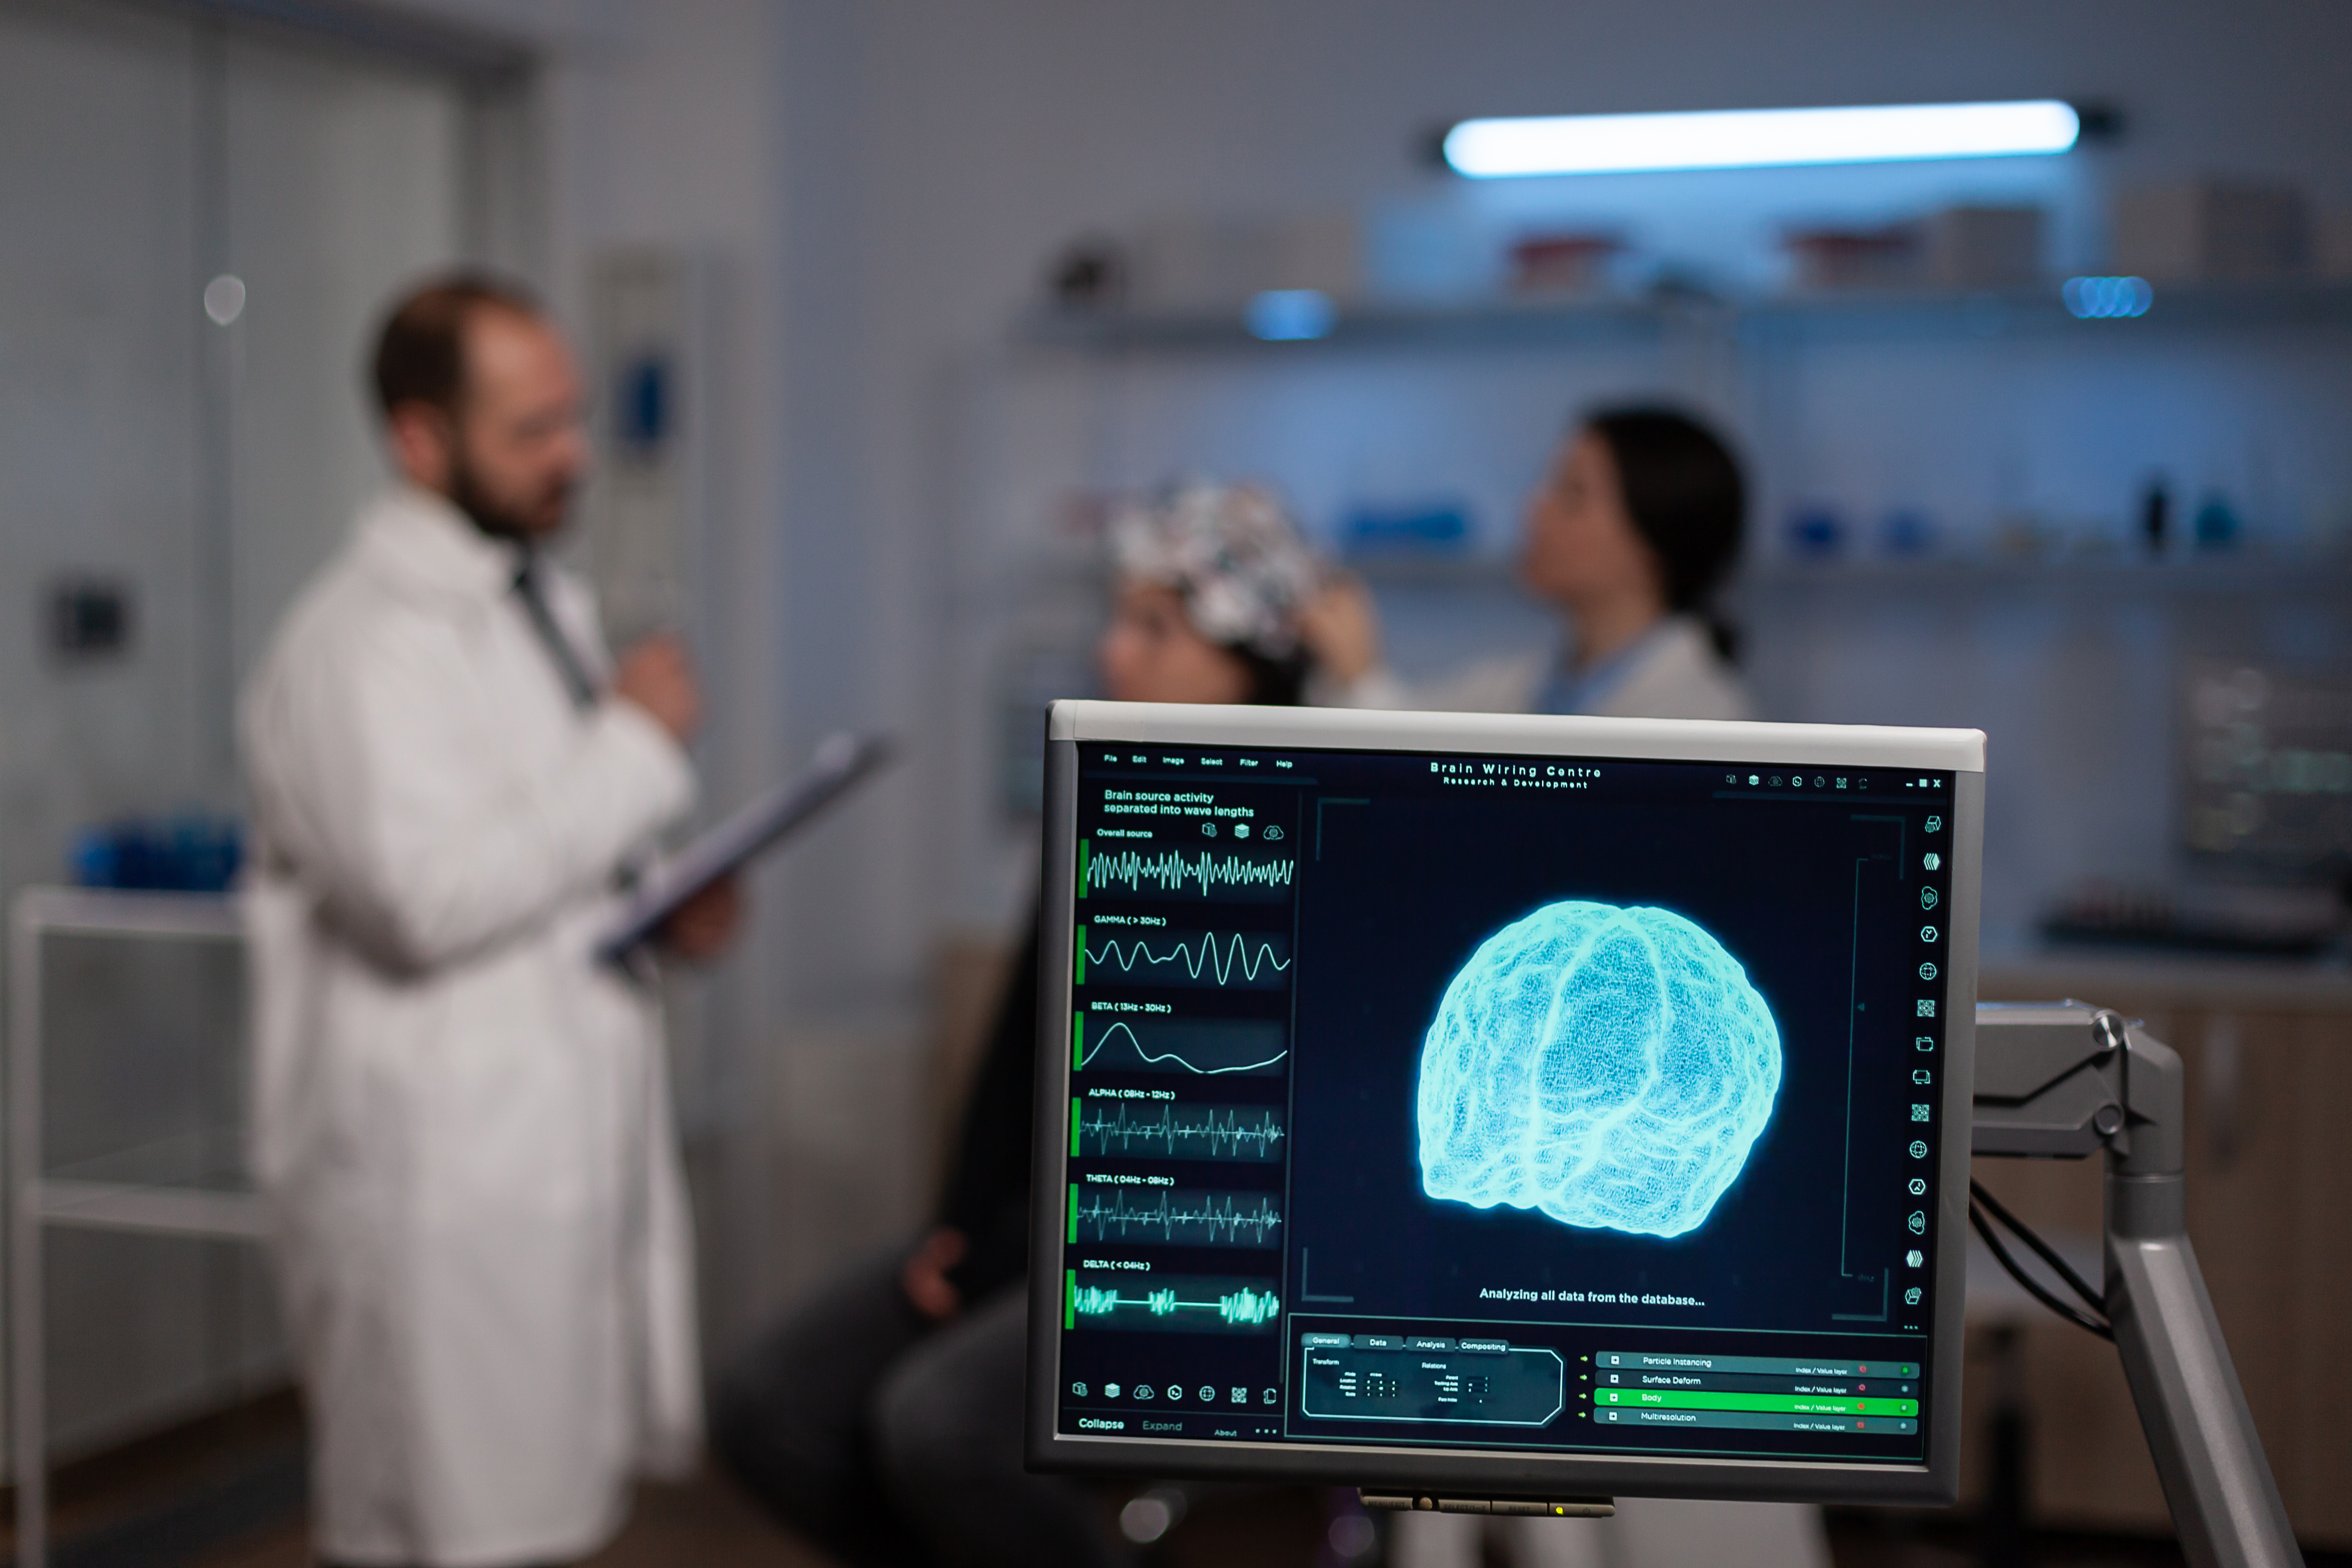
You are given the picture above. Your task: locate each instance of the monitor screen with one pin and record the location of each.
(2267, 781)
(1515, 1105)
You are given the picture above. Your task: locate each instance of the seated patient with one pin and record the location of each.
(883, 1416)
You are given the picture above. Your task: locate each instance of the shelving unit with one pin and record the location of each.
(1745, 356)
(2182, 574)
(1535, 322)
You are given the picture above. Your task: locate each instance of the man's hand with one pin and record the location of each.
(925, 1277)
(702, 927)
(656, 676)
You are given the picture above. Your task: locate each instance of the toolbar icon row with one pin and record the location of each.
(1174, 1392)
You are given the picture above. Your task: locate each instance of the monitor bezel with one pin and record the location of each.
(1514, 1473)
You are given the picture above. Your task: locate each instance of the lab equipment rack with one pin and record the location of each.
(37, 1201)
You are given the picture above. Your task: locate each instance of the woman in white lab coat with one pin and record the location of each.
(1632, 535)
(461, 1122)
(1634, 531)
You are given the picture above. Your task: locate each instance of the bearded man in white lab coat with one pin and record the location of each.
(461, 1122)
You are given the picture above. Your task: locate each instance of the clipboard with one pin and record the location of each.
(844, 760)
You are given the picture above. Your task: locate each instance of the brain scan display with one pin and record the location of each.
(1607, 1067)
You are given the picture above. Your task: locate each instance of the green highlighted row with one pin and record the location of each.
(1778, 1404)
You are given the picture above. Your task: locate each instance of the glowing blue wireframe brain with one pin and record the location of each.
(1608, 1066)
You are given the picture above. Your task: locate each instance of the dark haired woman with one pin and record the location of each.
(1633, 534)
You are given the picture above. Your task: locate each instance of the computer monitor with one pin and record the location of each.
(2266, 775)
(1503, 1108)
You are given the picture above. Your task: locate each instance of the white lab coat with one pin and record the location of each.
(1674, 672)
(461, 1122)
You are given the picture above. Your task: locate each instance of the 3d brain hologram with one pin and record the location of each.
(1607, 1067)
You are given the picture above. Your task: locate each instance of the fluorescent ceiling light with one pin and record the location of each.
(1758, 138)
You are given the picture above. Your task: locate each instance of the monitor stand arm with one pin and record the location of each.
(2064, 1080)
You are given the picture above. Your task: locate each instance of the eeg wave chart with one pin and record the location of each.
(1239, 959)
(1170, 1131)
(1203, 874)
(1175, 1217)
(1213, 1048)
(1181, 1304)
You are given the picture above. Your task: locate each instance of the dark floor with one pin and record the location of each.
(228, 1492)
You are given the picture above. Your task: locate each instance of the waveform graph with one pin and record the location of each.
(1225, 961)
(1245, 1133)
(1171, 1304)
(1217, 876)
(1208, 1047)
(1174, 1217)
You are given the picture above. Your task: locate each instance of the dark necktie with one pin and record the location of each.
(531, 583)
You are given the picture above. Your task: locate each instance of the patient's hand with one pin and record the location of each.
(924, 1278)
(1343, 630)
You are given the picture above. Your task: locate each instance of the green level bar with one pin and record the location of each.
(1786, 1404)
(1074, 1215)
(1768, 1366)
(1070, 1299)
(1086, 850)
(1077, 1060)
(1074, 1144)
(1082, 955)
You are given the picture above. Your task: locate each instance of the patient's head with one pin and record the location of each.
(1212, 579)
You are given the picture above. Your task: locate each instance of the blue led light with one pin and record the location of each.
(2106, 298)
(1290, 315)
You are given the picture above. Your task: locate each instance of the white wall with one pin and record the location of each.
(207, 470)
